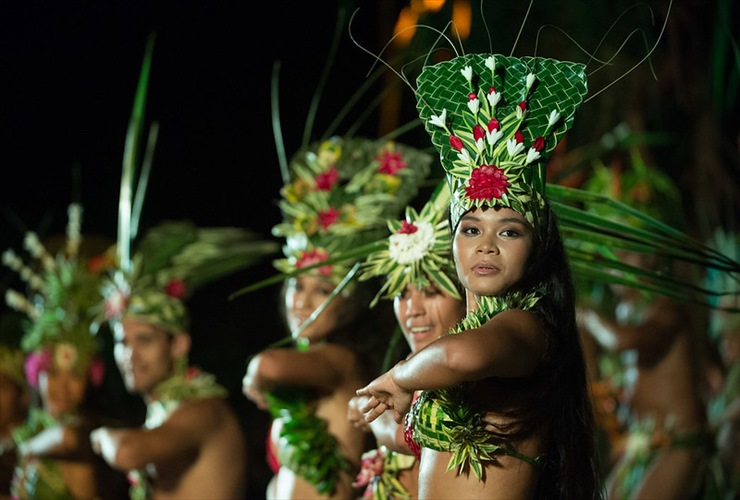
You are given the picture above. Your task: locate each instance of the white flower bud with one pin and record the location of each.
(440, 120)
(467, 72)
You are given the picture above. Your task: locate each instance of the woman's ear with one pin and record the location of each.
(180, 345)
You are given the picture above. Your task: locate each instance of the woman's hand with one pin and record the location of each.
(251, 387)
(355, 416)
(384, 394)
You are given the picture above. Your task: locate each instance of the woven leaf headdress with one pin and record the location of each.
(495, 120)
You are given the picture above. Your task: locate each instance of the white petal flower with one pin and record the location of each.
(493, 136)
(514, 148)
(530, 80)
(440, 120)
(464, 156)
(493, 98)
(480, 144)
(474, 105)
(532, 155)
(490, 62)
(409, 248)
(554, 117)
(519, 113)
(467, 72)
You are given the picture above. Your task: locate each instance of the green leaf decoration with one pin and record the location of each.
(309, 449)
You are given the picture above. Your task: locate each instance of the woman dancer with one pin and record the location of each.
(421, 281)
(504, 410)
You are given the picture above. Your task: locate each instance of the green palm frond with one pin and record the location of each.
(592, 235)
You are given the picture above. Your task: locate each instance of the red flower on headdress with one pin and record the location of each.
(407, 228)
(326, 180)
(486, 182)
(327, 218)
(176, 288)
(390, 162)
(538, 143)
(519, 137)
(97, 263)
(314, 256)
(523, 106)
(116, 303)
(493, 124)
(456, 143)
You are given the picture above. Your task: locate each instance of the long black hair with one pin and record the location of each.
(571, 468)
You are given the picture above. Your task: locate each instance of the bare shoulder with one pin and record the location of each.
(526, 324)
(510, 344)
(202, 412)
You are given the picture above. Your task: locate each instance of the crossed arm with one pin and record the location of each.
(509, 345)
(321, 367)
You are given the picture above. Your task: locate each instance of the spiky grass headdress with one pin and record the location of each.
(418, 251)
(61, 292)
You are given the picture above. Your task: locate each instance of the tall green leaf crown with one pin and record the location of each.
(341, 193)
(418, 251)
(173, 258)
(495, 120)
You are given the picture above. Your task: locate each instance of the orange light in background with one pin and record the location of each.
(429, 5)
(462, 16)
(409, 17)
(405, 27)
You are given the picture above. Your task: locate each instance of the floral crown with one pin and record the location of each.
(172, 260)
(62, 291)
(495, 120)
(418, 251)
(342, 192)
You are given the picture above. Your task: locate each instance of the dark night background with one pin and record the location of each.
(68, 73)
